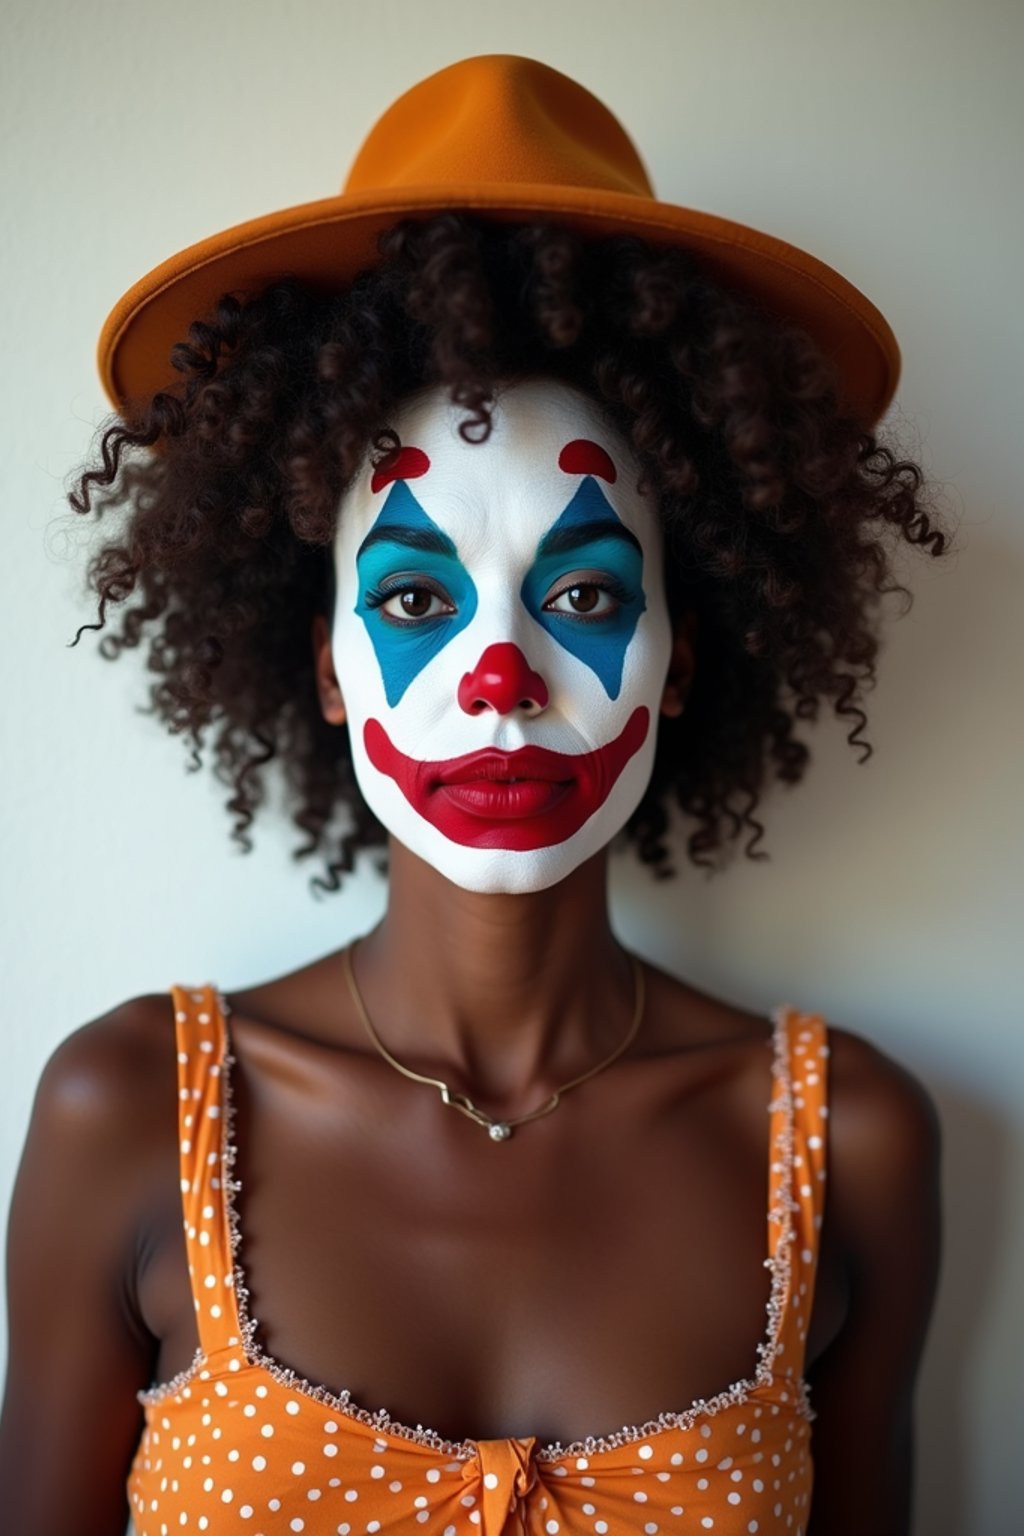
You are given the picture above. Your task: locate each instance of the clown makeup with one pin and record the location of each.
(501, 636)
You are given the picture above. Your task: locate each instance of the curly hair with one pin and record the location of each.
(777, 507)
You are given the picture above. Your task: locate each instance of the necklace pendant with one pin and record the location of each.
(499, 1131)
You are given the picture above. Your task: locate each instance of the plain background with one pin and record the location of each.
(886, 138)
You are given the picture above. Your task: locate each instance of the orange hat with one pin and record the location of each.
(510, 138)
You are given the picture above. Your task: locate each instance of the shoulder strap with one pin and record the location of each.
(796, 1190)
(205, 1160)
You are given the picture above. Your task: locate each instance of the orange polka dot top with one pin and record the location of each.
(240, 1444)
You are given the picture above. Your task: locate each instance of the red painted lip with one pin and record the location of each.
(504, 799)
(522, 800)
(502, 767)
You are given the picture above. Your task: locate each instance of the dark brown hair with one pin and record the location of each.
(780, 511)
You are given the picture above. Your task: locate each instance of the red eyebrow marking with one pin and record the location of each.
(406, 464)
(582, 457)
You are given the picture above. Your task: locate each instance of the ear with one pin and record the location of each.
(332, 705)
(679, 677)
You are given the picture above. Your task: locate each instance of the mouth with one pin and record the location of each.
(528, 799)
(505, 767)
(505, 799)
(505, 786)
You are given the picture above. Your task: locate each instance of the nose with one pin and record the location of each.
(502, 680)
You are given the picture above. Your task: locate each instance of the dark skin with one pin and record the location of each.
(390, 1248)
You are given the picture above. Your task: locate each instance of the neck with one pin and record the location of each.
(500, 996)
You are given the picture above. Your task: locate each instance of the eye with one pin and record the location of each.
(409, 602)
(415, 603)
(587, 600)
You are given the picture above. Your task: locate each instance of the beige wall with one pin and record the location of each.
(886, 138)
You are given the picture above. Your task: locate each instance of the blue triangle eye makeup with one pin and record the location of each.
(405, 548)
(589, 535)
(404, 540)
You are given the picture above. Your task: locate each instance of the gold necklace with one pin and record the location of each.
(498, 1130)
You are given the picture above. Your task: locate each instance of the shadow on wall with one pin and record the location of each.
(976, 1157)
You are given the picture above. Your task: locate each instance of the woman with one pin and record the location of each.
(501, 528)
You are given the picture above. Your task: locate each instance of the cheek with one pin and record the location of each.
(576, 675)
(403, 655)
(356, 664)
(602, 649)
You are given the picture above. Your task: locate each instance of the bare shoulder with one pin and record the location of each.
(877, 1103)
(884, 1134)
(113, 1077)
(98, 1171)
(102, 1146)
(882, 1234)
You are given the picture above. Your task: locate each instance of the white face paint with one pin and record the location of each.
(501, 636)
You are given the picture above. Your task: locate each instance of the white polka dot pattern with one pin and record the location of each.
(240, 1444)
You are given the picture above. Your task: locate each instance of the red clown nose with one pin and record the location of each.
(502, 680)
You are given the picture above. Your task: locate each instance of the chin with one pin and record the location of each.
(513, 874)
(505, 872)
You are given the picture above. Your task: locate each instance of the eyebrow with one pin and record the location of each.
(433, 542)
(561, 540)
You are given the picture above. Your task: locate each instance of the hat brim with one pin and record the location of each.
(326, 243)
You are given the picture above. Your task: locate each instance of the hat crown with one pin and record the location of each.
(498, 119)
(507, 138)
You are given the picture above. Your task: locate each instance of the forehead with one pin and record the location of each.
(506, 491)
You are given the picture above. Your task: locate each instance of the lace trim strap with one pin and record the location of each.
(799, 1111)
(205, 1165)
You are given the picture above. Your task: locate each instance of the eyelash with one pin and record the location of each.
(606, 583)
(377, 596)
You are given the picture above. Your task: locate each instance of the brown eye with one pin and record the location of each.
(584, 599)
(416, 603)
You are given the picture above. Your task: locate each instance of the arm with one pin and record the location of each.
(883, 1219)
(79, 1349)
